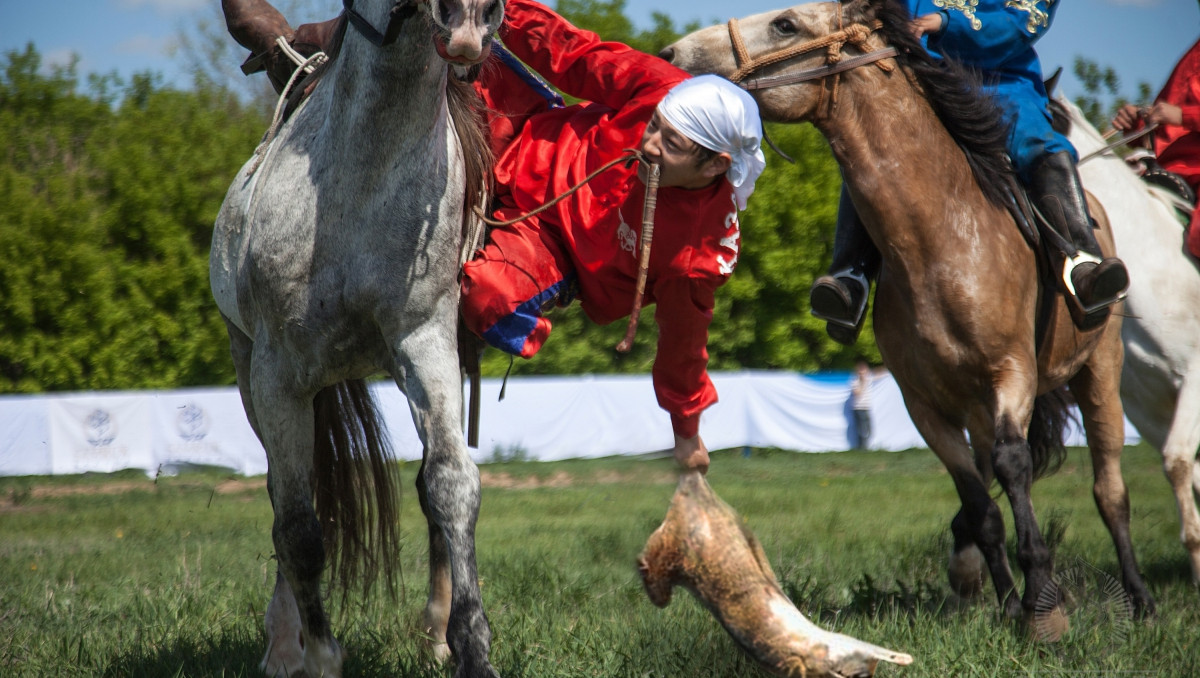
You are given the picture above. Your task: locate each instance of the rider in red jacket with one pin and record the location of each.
(1177, 140)
(704, 133)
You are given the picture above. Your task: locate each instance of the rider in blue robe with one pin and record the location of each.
(995, 37)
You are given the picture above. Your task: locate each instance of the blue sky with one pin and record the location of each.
(1141, 39)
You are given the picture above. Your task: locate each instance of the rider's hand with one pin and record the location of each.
(691, 454)
(1127, 118)
(1163, 113)
(927, 24)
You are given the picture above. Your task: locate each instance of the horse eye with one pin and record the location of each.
(784, 26)
(489, 14)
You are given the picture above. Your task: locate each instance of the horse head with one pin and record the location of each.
(787, 57)
(464, 29)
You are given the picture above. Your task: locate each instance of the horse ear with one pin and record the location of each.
(1052, 81)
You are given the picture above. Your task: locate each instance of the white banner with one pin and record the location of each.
(541, 418)
(101, 433)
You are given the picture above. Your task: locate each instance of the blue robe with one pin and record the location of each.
(997, 36)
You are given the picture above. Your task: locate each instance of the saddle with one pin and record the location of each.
(1146, 165)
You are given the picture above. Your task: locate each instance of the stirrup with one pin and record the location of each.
(1069, 265)
(859, 311)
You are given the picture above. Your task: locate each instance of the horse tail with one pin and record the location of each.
(355, 486)
(1051, 413)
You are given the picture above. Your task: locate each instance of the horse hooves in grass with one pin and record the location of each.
(967, 572)
(704, 546)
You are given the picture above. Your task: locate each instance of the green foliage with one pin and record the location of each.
(106, 212)
(1102, 89)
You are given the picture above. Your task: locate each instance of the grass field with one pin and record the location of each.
(120, 575)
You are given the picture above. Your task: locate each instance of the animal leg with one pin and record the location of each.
(241, 348)
(437, 609)
(1012, 461)
(1096, 391)
(967, 568)
(285, 651)
(1180, 466)
(981, 525)
(299, 548)
(428, 363)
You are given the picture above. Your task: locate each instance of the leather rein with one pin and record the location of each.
(855, 34)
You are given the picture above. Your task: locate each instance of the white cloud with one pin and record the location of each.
(163, 6)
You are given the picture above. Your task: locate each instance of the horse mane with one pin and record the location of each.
(466, 110)
(969, 114)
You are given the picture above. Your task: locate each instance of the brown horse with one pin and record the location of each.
(960, 315)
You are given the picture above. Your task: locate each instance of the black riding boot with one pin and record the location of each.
(1097, 283)
(840, 298)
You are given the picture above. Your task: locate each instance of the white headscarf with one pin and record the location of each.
(722, 117)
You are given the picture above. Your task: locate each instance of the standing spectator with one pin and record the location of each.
(860, 403)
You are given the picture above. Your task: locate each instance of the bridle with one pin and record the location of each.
(401, 11)
(855, 34)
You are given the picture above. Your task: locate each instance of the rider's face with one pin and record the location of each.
(682, 162)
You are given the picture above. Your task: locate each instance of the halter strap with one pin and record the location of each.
(855, 34)
(401, 11)
(834, 43)
(821, 71)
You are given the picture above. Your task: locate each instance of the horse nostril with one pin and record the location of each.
(667, 54)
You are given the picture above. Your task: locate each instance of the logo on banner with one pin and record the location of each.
(99, 428)
(192, 423)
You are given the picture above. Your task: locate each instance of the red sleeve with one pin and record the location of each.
(579, 63)
(683, 310)
(1191, 117)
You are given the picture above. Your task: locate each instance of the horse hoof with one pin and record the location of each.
(1051, 625)
(967, 572)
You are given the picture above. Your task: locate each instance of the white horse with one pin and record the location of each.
(1160, 383)
(334, 259)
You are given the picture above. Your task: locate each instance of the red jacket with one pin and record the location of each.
(696, 234)
(1177, 147)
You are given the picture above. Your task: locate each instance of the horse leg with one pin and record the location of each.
(1012, 461)
(427, 371)
(1095, 388)
(1180, 465)
(967, 569)
(285, 653)
(288, 438)
(437, 609)
(978, 526)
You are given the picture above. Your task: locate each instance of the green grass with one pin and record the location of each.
(120, 575)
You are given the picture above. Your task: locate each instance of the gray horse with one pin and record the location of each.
(335, 257)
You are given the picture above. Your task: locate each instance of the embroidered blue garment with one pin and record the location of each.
(997, 37)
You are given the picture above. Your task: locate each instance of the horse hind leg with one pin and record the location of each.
(1095, 388)
(285, 650)
(299, 548)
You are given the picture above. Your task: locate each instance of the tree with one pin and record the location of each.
(106, 207)
(1102, 89)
